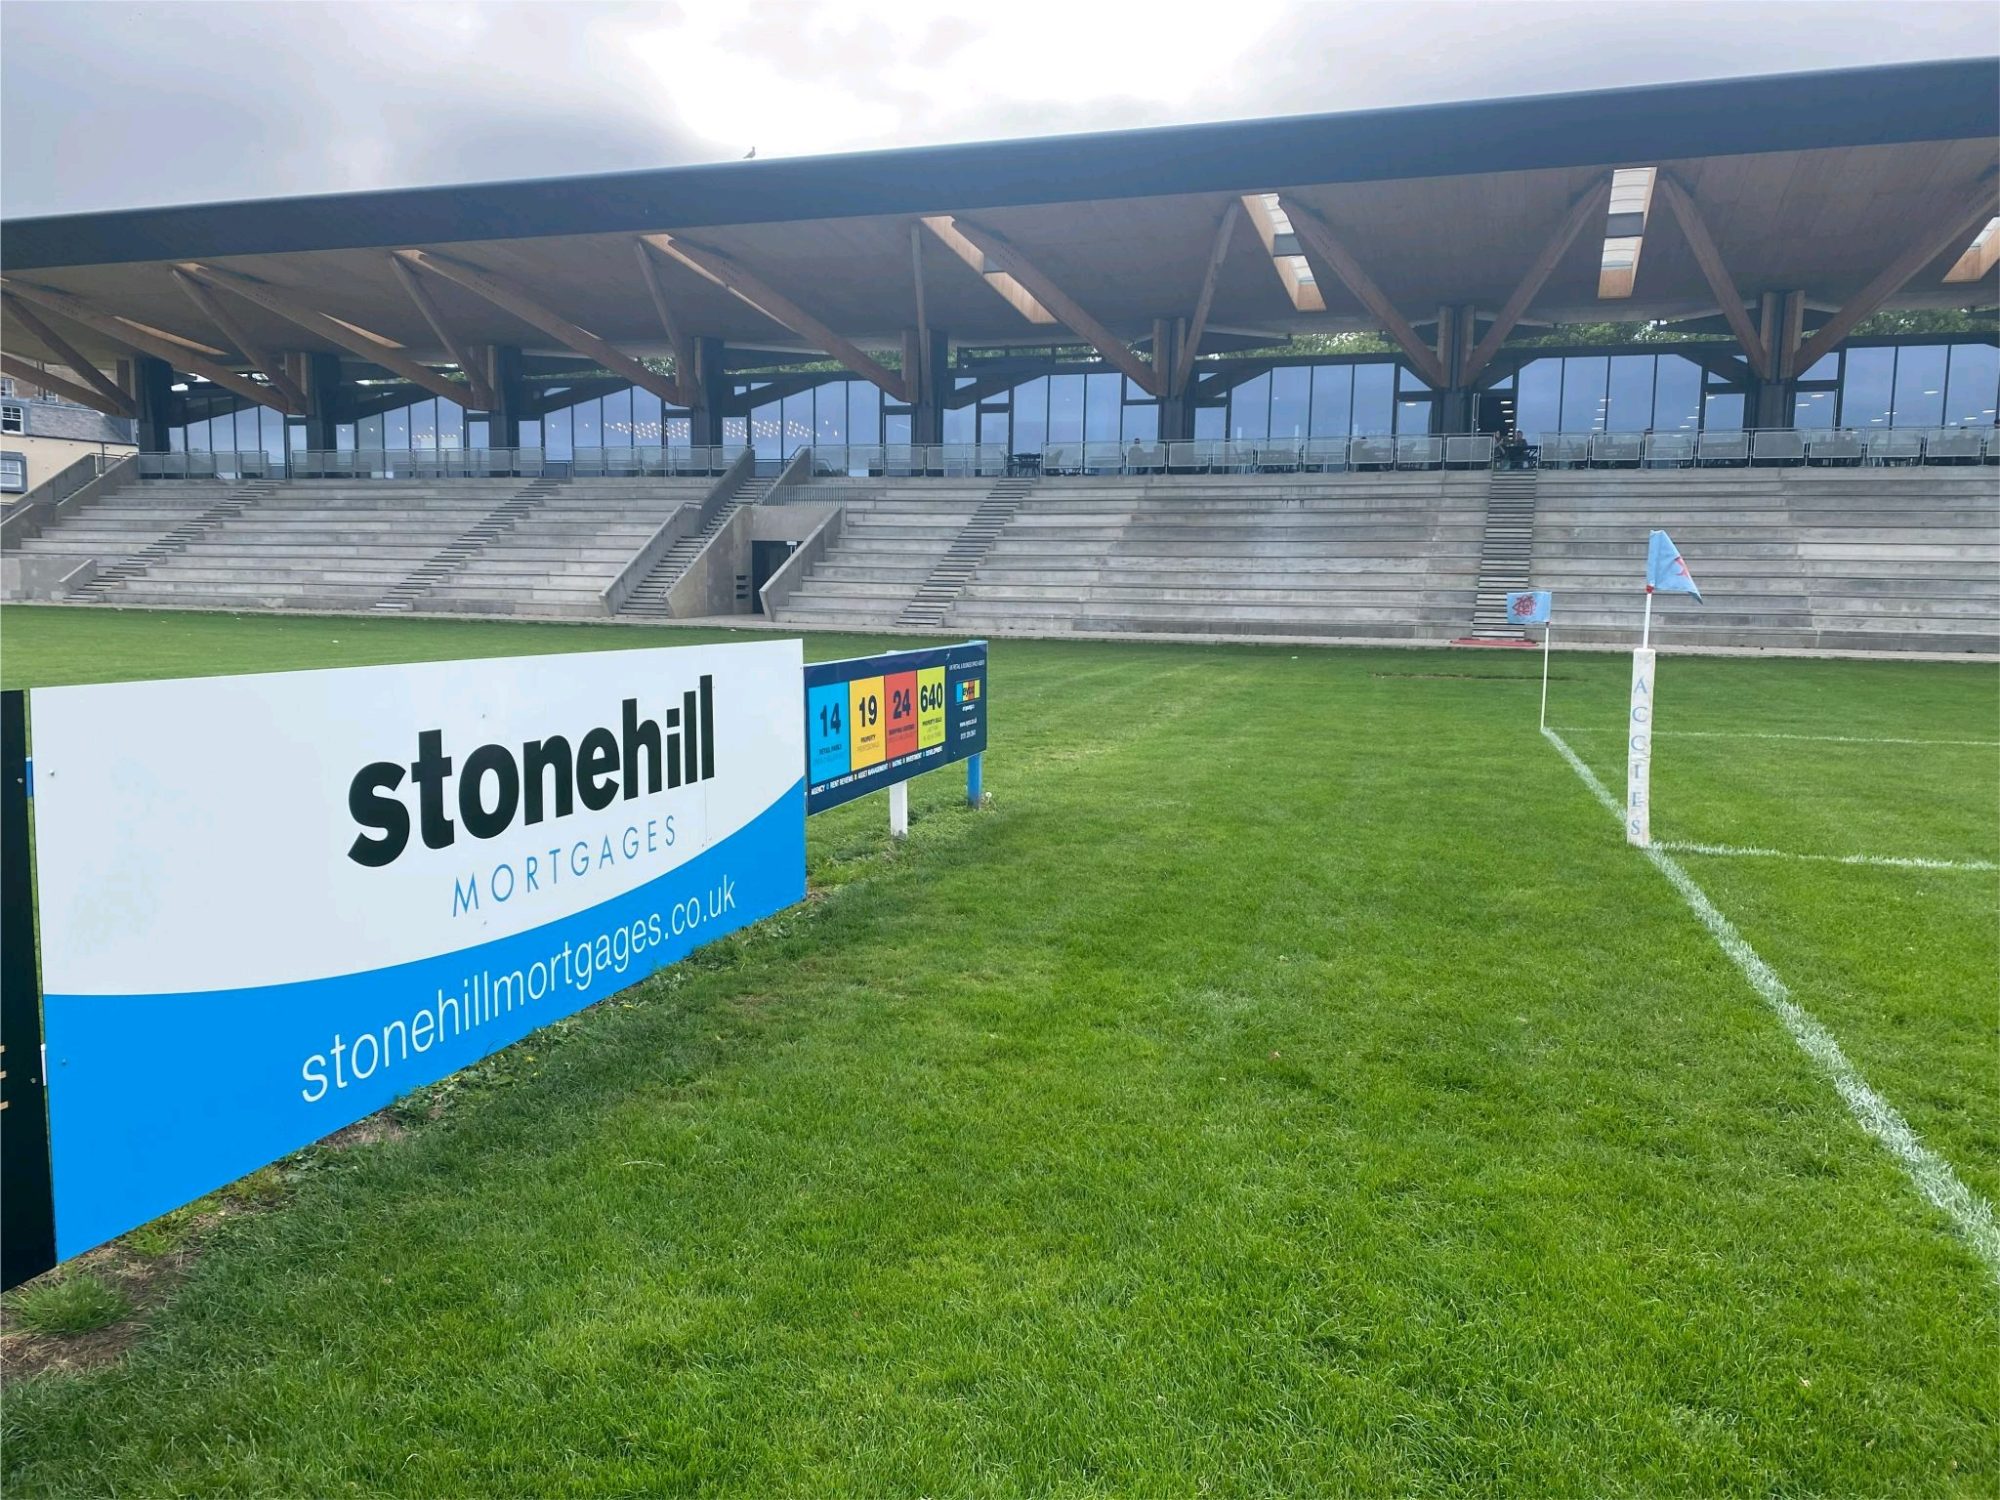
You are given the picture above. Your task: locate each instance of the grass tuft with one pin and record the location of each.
(68, 1305)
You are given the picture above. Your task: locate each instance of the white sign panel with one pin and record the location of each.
(319, 890)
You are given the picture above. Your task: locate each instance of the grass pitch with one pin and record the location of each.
(1290, 1084)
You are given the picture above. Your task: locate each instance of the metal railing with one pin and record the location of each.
(440, 463)
(92, 474)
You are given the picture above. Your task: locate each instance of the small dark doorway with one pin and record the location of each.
(765, 559)
(1494, 411)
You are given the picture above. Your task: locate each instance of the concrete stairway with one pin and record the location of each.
(954, 570)
(893, 537)
(219, 510)
(457, 554)
(1833, 559)
(1506, 552)
(649, 599)
(559, 559)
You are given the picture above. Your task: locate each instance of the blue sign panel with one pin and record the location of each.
(872, 721)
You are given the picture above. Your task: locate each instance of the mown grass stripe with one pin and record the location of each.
(1931, 1173)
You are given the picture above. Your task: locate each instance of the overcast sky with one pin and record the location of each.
(106, 104)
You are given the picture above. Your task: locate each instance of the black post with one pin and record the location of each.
(322, 402)
(28, 1227)
(503, 422)
(153, 379)
(711, 392)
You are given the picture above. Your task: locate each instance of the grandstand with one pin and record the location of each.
(907, 391)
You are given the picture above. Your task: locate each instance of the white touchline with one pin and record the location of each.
(1932, 1174)
(1887, 861)
(1824, 739)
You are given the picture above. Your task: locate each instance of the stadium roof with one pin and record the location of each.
(1817, 182)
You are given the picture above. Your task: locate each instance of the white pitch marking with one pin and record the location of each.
(1933, 1176)
(1823, 739)
(1886, 861)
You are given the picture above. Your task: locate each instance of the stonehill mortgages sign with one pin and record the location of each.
(272, 904)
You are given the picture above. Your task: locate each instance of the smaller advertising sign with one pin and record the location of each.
(872, 721)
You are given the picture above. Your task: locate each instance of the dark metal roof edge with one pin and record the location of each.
(1953, 99)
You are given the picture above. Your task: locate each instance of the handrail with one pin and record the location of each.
(797, 470)
(90, 476)
(678, 524)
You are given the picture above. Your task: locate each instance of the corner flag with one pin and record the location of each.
(1529, 607)
(1665, 572)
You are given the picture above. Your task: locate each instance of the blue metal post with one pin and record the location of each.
(972, 768)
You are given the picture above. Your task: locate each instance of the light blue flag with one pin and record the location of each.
(1665, 572)
(1530, 607)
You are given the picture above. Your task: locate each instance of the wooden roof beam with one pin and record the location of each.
(1302, 291)
(232, 329)
(670, 324)
(1701, 244)
(1005, 287)
(1205, 299)
(460, 352)
(1008, 257)
(108, 399)
(175, 351)
(1530, 285)
(748, 287)
(1317, 239)
(508, 297)
(34, 374)
(1980, 257)
(1946, 233)
(358, 341)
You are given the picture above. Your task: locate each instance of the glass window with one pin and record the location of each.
(677, 431)
(1865, 387)
(1413, 417)
(396, 428)
(1103, 403)
(618, 419)
(1332, 396)
(864, 412)
(1065, 408)
(586, 424)
(1211, 421)
(1291, 401)
(451, 424)
(767, 429)
(1630, 408)
(1813, 409)
(961, 424)
(423, 424)
(1142, 422)
(1676, 394)
(1409, 380)
(1031, 417)
(343, 437)
(1724, 412)
(273, 425)
(896, 427)
(1920, 385)
(1250, 410)
(475, 433)
(1974, 388)
(197, 436)
(1826, 367)
(735, 432)
(371, 432)
(559, 433)
(798, 419)
(1538, 405)
(1584, 399)
(830, 413)
(531, 433)
(1374, 414)
(993, 427)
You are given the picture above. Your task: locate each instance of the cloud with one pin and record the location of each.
(120, 104)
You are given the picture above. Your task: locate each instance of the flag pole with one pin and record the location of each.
(1646, 630)
(1545, 677)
